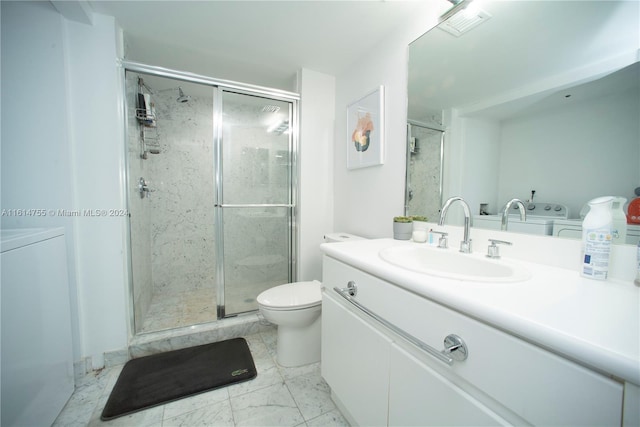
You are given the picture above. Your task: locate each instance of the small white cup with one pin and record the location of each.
(419, 236)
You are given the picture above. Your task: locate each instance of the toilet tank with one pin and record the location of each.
(341, 237)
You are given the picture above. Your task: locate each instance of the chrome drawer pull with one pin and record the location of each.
(455, 348)
(351, 289)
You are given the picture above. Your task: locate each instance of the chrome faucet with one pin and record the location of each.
(505, 212)
(465, 245)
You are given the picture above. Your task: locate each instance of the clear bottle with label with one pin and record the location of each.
(619, 218)
(597, 238)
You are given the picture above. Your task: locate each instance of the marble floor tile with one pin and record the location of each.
(270, 406)
(278, 396)
(311, 394)
(218, 414)
(333, 418)
(197, 402)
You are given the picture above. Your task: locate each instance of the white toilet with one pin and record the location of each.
(295, 309)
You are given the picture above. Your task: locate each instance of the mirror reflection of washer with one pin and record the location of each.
(540, 218)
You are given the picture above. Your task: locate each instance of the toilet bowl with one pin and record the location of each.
(295, 309)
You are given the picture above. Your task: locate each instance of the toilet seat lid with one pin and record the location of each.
(292, 295)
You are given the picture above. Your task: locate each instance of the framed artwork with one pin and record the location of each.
(365, 130)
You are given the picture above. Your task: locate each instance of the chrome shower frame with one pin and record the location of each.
(217, 86)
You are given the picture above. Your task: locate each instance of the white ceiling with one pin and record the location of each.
(259, 42)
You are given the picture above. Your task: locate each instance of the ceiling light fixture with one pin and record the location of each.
(279, 127)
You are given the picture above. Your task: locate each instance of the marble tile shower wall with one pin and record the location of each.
(182, 208)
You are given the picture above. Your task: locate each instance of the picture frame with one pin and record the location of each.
(365, 130)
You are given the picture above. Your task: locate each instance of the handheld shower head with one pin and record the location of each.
(182, 98)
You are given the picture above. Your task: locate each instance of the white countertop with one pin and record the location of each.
(596, 323)
(13, 238)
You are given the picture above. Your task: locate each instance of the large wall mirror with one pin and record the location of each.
(540, 101)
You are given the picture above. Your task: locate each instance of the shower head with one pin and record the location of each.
(183, 98)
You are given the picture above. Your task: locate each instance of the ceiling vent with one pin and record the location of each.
(462, 18)
(270, 109)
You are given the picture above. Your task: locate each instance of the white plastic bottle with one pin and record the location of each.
(619, 227)
(596, 239)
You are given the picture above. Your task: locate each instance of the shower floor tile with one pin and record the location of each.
(174, 309)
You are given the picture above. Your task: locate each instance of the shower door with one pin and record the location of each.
(210, 196)
(254, 200)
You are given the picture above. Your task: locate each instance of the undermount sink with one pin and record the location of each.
(451, 264)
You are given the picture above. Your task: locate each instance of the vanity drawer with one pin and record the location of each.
(537, 385)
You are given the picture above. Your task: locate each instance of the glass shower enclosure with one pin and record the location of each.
(211, 196)
(425, 162)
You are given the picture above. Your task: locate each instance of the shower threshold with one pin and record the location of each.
(189, 336)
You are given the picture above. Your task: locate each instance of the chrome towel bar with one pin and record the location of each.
(455, 348)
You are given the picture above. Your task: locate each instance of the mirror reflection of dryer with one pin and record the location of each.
(572, 229)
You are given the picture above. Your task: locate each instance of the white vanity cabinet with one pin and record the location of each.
(355, 361)
(504, 380)
(419, 395)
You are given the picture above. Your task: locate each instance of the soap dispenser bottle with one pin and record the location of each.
(596, 239)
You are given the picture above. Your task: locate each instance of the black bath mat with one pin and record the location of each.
(161, 378)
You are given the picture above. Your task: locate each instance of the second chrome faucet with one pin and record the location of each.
(505, 212)
(465, 245)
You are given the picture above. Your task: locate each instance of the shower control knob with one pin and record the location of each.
(143, 188)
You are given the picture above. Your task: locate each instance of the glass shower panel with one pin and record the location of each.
(256, 252)
(256, 167)
(255, 150)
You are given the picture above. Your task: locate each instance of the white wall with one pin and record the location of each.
(480, 175)
(36, 166)
(97, 133)
(62, 151)
(367, 199)
(315, 203)
(573, 154)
